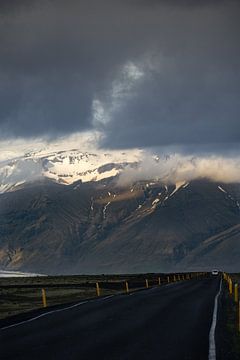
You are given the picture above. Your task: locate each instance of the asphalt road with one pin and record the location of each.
(164, 323)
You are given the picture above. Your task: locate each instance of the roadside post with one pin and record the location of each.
(168, 280)
(127, 288)
(174, 278)
(236, 293)
(230, 286)
(147, 286)
(159, 281)
(97, 289)
(44, 298)
(239, 316)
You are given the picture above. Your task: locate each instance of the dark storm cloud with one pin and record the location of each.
(56, 57)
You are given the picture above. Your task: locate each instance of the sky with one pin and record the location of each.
(142, 73)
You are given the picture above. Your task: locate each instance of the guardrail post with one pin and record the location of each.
(159, 281)
(230, 286)
(239, 316)
(127, 288)
(236, 293)
(97, 289)
(146, 281)
(44, 298)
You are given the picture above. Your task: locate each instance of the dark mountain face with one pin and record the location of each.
(101, 228)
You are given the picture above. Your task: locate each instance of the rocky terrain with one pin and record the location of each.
(99, 227)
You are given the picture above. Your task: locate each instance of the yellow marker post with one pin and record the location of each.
(168, 280)
(239, 316)
(147, 286)
(97, 289)
(159, 281)
(127, 288)
(44, 298)
(236, 293)
(230, 286)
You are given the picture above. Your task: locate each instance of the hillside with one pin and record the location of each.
(97, 227)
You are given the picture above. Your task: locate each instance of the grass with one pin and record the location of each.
(229, 337)
(18, 295)
(23, 294)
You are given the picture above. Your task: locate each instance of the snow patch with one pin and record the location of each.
(221, 189)
(178, 185)
(105, 209)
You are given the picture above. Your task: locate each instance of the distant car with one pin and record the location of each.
(215, 272)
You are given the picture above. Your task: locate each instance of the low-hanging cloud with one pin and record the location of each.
(175, 168)
(144, 73)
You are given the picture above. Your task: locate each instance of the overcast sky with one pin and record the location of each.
(146, 73)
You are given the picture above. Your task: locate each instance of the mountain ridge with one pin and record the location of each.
(99, 227)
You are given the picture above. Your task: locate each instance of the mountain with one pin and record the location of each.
(65, 167)
(100, 227)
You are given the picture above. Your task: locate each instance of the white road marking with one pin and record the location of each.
(53, 311)
(67, 308)
(212, 344)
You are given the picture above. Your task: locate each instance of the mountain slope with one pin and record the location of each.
(218, 251)
(97, 227)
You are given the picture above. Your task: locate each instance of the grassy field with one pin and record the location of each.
(229, 337)
(22, 294)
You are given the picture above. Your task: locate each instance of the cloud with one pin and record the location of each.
(144, 73)
(176, 168)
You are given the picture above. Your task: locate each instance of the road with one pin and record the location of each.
(171, 322)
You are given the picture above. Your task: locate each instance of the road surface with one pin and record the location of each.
(171, 322)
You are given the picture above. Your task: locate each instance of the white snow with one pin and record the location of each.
(155, 201)
(5, 273)
(221, 189)
(105, 209)
(178, 185)
(65, 166)
(92, 202)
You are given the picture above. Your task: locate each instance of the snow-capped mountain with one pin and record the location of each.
(65, 166)
(84, 209)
